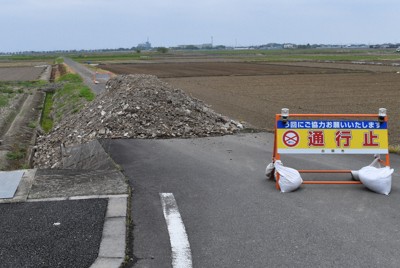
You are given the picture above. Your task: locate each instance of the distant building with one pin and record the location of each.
(205, 46)
(288, 46)
(144, 46)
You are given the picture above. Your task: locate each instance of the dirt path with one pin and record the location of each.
(86, 74)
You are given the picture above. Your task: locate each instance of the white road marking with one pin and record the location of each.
(181, 254)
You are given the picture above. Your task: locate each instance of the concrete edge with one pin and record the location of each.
(113, 242)
(24, 187)
(45, 75)
(82, 197)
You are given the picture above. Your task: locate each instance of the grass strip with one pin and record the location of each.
(47, 120)
(73, 95)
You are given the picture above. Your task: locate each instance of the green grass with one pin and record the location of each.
(307, 54)
(29, 57)
(10, 89)
(86, 93)
(108, 56)
(59, 60)
(71, 97)
(47, 121)
(7, 92)
(329, 57)
(26, 84)
(72, 78)
(74, 91)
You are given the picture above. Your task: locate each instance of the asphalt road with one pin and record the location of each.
(86, 74)
(51, 234)
(234, 217)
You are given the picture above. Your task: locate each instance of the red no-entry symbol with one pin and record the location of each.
(291, 138)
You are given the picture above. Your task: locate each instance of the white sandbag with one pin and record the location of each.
(269, 171)
(290, 178)
(378, 180)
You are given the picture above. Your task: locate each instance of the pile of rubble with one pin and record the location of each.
(133, 106)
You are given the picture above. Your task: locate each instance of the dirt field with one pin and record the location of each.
(20, 73)
(256, 92)
(206, 69)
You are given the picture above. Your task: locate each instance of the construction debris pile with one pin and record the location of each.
(133, 106)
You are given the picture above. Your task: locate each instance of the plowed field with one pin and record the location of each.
(20, 73)
(255, 92)
(201, 69)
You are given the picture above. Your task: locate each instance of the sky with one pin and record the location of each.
(44, 25)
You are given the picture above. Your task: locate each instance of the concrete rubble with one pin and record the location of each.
(133, 106)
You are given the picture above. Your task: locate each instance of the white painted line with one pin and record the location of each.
(181, 254)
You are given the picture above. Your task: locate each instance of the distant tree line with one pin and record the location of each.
(206, 47)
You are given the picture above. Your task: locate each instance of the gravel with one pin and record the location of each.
(133, 106)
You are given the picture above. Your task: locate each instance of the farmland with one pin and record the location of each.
(249, 86)
(20, 73)
(254, 91)
(20, 107)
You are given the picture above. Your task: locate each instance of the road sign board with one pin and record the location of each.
(332, 137)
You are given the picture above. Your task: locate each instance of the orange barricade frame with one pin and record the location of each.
(277, 156)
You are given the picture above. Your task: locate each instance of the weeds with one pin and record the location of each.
(3, 100)
(32, 125)
(395, 149)
(16, 157)
(17, 154)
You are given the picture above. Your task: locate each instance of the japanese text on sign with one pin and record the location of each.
(336, 124)
(352, 137)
